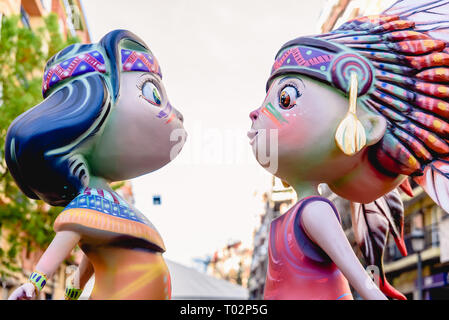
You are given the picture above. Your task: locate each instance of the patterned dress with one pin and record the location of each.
(298, 269)
(123, 246)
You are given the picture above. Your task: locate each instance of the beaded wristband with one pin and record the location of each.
(38, 280)
(72, 293)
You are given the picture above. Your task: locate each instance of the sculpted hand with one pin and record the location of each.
(25, 292)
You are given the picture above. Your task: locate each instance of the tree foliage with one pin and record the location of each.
(25, 224)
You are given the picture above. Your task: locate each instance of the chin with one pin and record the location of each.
(367, 192)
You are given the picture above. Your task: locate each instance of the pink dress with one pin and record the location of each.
(298, 269)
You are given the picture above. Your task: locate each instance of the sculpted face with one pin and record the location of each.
(143, 133)
(306, 113)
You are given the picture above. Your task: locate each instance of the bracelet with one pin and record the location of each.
(72, 293)
(38, 280)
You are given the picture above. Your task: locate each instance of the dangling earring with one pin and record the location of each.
(350, 136)
(285, 184)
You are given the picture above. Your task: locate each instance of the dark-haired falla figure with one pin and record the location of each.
(106, 117)
(361, 108)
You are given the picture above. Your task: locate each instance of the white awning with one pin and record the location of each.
(188, 283)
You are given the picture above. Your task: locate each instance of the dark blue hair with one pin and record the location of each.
(42, 144)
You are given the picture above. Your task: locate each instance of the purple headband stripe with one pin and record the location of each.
(306, 57)
(325, 61)
(139, 61)
(81, 64)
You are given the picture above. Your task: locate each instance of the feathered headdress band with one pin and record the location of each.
(402, 75)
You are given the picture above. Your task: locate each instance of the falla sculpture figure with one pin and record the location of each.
(106, 117)
(361, 108)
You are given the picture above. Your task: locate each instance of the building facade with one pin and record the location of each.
(231, 263)
(71, 16)
(421, 213)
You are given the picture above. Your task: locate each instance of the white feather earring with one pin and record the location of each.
(350, 136)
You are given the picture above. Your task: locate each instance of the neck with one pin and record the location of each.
(305, 189)
(375, 184)
(99, 183)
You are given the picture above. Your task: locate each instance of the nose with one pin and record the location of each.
(254, 115)
(179, 115)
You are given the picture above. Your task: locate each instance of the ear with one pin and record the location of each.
(375, 126)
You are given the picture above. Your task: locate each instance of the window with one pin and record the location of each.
(156, 200)
(46, 4)
(24, 17)
(74, 19)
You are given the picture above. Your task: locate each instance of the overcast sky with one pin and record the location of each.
(215, 57)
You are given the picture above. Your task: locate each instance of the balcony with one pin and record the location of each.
(431, 237)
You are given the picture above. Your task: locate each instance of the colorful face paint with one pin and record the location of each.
(172, 116)
(270, 111)
(164, 113)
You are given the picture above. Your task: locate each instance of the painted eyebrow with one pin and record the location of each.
(153, 75)
(146, 74)
(290, 77)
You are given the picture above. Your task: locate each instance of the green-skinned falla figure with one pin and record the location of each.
(361, 108)
(106, 117)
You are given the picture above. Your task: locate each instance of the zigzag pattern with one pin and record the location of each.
(317, 58)
(92, 61)
(139, 61)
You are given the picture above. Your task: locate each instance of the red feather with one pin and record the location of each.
(435, 181)
(371, 223)
(407, 188)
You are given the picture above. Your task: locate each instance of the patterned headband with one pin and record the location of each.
(139, 61)
(93, 61)
(325, 61)
(83, 63)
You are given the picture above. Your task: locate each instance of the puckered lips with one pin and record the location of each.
(252, 134)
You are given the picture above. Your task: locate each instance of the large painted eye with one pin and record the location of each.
(287, 97)
(151, 93)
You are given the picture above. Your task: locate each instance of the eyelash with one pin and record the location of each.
(294, 86)
(141, 82)
(144, 80)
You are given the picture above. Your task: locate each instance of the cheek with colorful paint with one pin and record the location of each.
(280, 107)
(301, 112)
(149, 83)
(143, 133)
(152, 91)
(304, 115)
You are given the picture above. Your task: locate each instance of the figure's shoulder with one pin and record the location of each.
(95, 199)
(309, 202)
(107, 202)
(289, 226)
(105, 210)
(293, 215)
